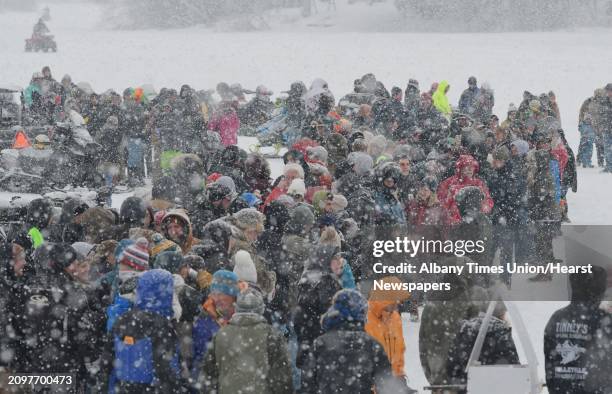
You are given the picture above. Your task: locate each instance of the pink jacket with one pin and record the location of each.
(225, 122)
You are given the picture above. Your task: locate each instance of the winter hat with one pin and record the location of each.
(194, 261)
(227, 182)
(161, 244)
(377, 145)
(294, 167)
(402, 152)
(225, 282)
(249, 218)
(286, 200)
(170, 261)
(61, 256)
(362, 162)
(339, 202)
(431, 182)
(104, 249)
(522, 146)
(120, 249)
(413, 82)
(329, 236)
(316, 153)
(297, 188)
(217, 191)
(501, 153)
(512, 108)
(250, 301)
(301, 218)
(82, 249)
(348, 305)
(244, 267)
(136, 255)
(535, 106)
(212, 178)
(133, 211)
(396, 294)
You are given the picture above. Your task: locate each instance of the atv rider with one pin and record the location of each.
(40, 29)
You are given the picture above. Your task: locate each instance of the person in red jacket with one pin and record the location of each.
(225, 122)
(466, 174)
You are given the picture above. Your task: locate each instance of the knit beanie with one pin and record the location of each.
(161, 244)
(224, 282)
(244, 267)
(501, 153)
(347, 306)
(249, 218)
(136, 255)
(120, 249)
(250, 301)
(317, 153)
(297, 187)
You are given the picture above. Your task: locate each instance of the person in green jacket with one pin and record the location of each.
(440, 100)
(248, 354)
(34, 86)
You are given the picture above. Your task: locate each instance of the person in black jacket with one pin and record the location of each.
(316, 288)
(504, 216)
(61, 326)
(345, 359)
(570, 337)
(144, 346)
(15, 275)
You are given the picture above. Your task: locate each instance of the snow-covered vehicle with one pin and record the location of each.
(12, 118)
(70, 160)
(43, 43)
(277, 132)
(13, 206)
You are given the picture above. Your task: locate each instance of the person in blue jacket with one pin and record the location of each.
(143, 347)
(217, 311)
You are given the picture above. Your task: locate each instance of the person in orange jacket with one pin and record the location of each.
(385, 323)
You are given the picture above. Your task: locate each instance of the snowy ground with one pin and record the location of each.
(572, 64)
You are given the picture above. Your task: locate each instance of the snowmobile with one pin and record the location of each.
(43, 43)
(70, 160)
(13, 207)
(275, 133)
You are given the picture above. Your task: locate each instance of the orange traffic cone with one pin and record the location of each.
(21, 140)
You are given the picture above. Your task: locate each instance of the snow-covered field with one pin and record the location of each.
(572, 63)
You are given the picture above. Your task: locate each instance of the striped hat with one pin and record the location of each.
(136, 255)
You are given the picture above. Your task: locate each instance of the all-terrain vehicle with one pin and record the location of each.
(43, 43)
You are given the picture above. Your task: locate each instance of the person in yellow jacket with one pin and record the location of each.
(385, 323)
(440, 100)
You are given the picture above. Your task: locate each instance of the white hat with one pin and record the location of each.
(244, 267)
(297, 188)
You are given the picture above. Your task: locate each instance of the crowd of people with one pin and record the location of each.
(226, 280)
